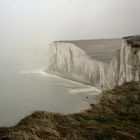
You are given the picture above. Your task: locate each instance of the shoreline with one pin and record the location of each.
(117, 116)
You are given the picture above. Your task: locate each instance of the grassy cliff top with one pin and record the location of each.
(134, 41)
(116, 117)
(99, 49)
(103, 49)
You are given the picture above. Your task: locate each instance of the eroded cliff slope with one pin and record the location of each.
(104, 63)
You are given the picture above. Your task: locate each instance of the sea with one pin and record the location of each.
(25, 87)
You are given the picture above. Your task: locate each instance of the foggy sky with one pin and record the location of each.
(35, 23)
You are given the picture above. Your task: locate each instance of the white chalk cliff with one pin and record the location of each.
(103, 62)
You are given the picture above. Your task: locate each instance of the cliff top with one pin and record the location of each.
(134, 41)
(99, 49)
(103, 49)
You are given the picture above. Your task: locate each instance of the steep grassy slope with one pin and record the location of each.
(116, 117)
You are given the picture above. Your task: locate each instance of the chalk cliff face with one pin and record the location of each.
(102, 63)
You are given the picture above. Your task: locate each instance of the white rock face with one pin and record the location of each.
(103, 63)
(129, 63)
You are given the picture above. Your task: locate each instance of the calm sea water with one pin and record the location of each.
(23, 89)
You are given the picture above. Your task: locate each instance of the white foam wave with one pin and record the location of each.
(89, 90)
(83, 89)
(40, 71)
(43, 73)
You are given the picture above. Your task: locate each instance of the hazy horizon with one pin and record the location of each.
(26, 24)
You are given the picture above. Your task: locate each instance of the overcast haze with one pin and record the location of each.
(35, 23)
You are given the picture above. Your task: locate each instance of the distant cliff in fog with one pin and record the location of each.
(102, 62)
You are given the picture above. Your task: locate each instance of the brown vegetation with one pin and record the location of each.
(116, 117)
